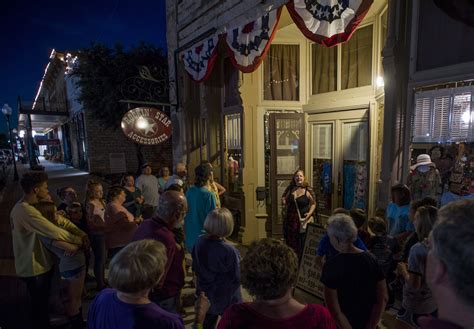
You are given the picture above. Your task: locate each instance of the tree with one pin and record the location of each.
(109, 76)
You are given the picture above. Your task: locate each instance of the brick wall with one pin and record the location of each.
(101, 142)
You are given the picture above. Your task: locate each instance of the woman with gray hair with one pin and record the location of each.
(217, 265)
(134, 271)
(354, 285)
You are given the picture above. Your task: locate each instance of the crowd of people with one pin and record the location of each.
(144, 228)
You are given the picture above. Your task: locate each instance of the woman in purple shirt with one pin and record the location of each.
(216, 264)
(134, 271)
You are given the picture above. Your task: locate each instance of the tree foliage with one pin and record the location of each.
(106, 75)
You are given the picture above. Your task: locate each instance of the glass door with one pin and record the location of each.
(287, 136)
(340, 160)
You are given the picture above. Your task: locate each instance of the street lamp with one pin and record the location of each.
(7, 111)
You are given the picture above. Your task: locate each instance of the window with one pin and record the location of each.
(443, 116)
(324, 68)
(231, 84)
(281, 73)
(233, 131)
(354, 58)
(356, 64)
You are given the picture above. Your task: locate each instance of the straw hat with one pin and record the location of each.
(423, 160)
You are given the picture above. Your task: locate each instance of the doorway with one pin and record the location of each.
(286, 155)
(340, 160)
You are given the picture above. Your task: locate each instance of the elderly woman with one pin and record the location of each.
(268, 272)
(216, 264)
(417, 297)
(134, 271)
(120, 224)
(354, 286)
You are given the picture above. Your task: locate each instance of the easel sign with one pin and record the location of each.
(310, 272)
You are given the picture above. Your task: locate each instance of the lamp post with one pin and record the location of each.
(7, 111)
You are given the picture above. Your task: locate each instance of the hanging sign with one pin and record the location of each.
(328, 22)
(146, 126)
(248, 44)
(199, 59)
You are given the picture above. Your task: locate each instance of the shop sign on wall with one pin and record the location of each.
(146, 126)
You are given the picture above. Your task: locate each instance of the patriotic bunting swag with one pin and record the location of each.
(248, 44)
(199, 59)
(328, 22)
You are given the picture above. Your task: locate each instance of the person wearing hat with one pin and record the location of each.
(424, 179)
(148, 184)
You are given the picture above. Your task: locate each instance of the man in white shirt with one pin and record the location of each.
(149, 186)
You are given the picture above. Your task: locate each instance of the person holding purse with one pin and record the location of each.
(300, 204)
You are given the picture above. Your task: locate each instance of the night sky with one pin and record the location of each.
(31, 29)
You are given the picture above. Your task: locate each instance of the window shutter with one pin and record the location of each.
(461, 117)
(440, 131)
(422, 122)
(443, 116)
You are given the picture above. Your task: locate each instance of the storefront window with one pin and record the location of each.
(356, 64)
(281, 73)
(443, 129)
(324, 69)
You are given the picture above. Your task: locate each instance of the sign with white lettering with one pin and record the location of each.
(146, 126)
(310, 271)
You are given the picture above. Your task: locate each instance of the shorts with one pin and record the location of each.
(72, 274)
(411, 318)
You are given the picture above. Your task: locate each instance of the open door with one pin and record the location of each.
(287, 154)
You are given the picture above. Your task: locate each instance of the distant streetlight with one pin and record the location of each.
(7, 111)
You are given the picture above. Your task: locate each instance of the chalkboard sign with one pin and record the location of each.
(309, 272)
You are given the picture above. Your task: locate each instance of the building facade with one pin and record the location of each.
(72, 135)
(306, 106)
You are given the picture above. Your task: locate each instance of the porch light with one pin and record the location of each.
(379, 82)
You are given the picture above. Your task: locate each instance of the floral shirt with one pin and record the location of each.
(424, 183)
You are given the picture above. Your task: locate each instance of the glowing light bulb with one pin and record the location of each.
(141, 123)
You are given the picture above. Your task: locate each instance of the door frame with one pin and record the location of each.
(338, 118)
(277, 229)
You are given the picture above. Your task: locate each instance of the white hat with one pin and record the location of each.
(423, 160)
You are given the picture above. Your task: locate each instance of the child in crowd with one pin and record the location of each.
(71, 260)
(418, 299)
(360, 221)
(413, 238)
(217, 265)
(386, 250)
(399, 224)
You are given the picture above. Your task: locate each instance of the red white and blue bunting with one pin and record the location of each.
(248, 44)
(199, 59)
(328, 22)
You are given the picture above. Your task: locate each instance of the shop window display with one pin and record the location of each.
(443, 145)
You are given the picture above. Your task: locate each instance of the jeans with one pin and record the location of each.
(100, 256)
(39, 287)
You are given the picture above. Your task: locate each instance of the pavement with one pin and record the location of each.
(14, 312)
